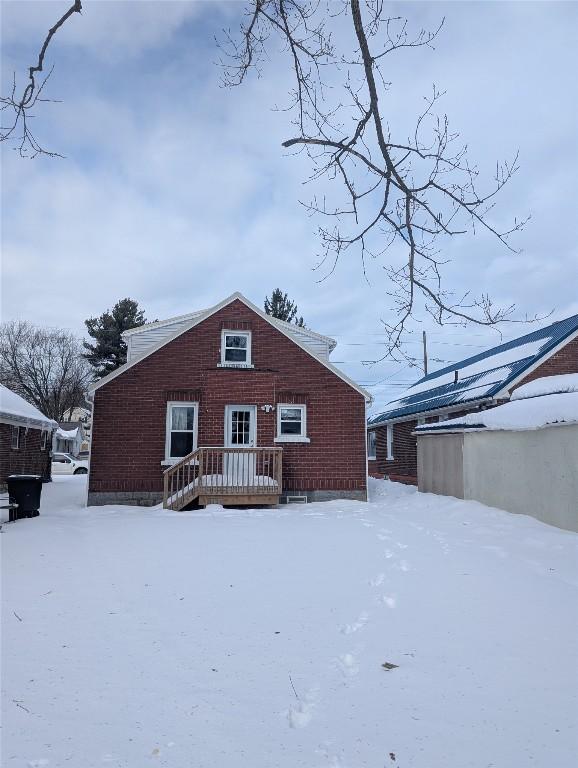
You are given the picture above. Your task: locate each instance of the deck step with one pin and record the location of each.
(226, 476)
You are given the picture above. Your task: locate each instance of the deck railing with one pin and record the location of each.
(229, 473)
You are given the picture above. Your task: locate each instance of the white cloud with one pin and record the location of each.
(105, 28)
(176, 192)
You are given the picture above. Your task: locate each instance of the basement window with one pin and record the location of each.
(182, 428)
(236, 349)
(389, 442)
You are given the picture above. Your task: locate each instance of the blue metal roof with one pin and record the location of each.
(479, 377)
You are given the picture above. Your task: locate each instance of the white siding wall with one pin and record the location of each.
(138, 343)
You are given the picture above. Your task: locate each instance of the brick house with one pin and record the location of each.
(227, 403)
(25, 438)
(479, 382)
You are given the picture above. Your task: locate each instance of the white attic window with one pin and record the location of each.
(236, 349)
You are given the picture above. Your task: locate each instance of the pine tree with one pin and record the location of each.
(281, 307)
(109, 351)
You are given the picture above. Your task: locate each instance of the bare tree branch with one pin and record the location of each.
(19, 108)
(415, 192)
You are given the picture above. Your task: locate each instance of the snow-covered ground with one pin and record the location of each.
(256, 639)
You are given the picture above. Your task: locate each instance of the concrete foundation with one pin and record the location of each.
(326, 495)
(130, 498)
(151, 498)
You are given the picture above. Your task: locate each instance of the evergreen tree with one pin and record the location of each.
(109, 350)
(281, 307)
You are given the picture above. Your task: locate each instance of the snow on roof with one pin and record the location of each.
(16, 410)
(480, 377)
(529, 413)
(547, 385)
(66, 434)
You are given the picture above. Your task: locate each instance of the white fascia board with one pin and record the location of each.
(506, 390)
(204, 316)
(307, 332)
(29, 423)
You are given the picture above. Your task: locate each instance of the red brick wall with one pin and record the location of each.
(404, 462)
(128, 433)
(564, 361)
(404, 465)
(28, 459)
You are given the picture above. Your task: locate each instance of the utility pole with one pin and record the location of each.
(424, 353)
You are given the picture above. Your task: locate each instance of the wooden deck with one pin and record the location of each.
(227, 476)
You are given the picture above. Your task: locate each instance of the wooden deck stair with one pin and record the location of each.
(228, 476)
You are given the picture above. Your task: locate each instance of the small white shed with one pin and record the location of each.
(521, 456)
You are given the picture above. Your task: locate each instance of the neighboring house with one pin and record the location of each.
(69, 438)
(25, 437)
(521, 456)
(83, 415)
(479, 382)
(233, 404)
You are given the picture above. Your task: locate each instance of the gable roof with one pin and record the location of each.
(482, 377)
(197, 317)
(331, 343)
(17, 411)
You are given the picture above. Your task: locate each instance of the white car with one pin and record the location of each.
(65, 464)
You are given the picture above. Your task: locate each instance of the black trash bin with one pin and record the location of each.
(25, 490)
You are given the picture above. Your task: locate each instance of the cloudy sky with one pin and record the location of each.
(177, 192)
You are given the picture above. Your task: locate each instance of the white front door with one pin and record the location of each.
(240, 432)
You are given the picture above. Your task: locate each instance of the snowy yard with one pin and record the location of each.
(256, 639)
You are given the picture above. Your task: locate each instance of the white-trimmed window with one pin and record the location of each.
(371, 444)
(15, 438)
(43, 438)
(291, 423)
(182, 428)
(236, 348)
(389, 442)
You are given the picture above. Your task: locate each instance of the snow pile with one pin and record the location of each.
(14, 408)
(63, 434)
(431, 630)
(530, 413)
(547, 385)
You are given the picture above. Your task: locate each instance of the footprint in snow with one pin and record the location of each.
(348, 665)
(388, 600)
(389, 554)
(349, 629)
(377, 580)
(300, 714)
